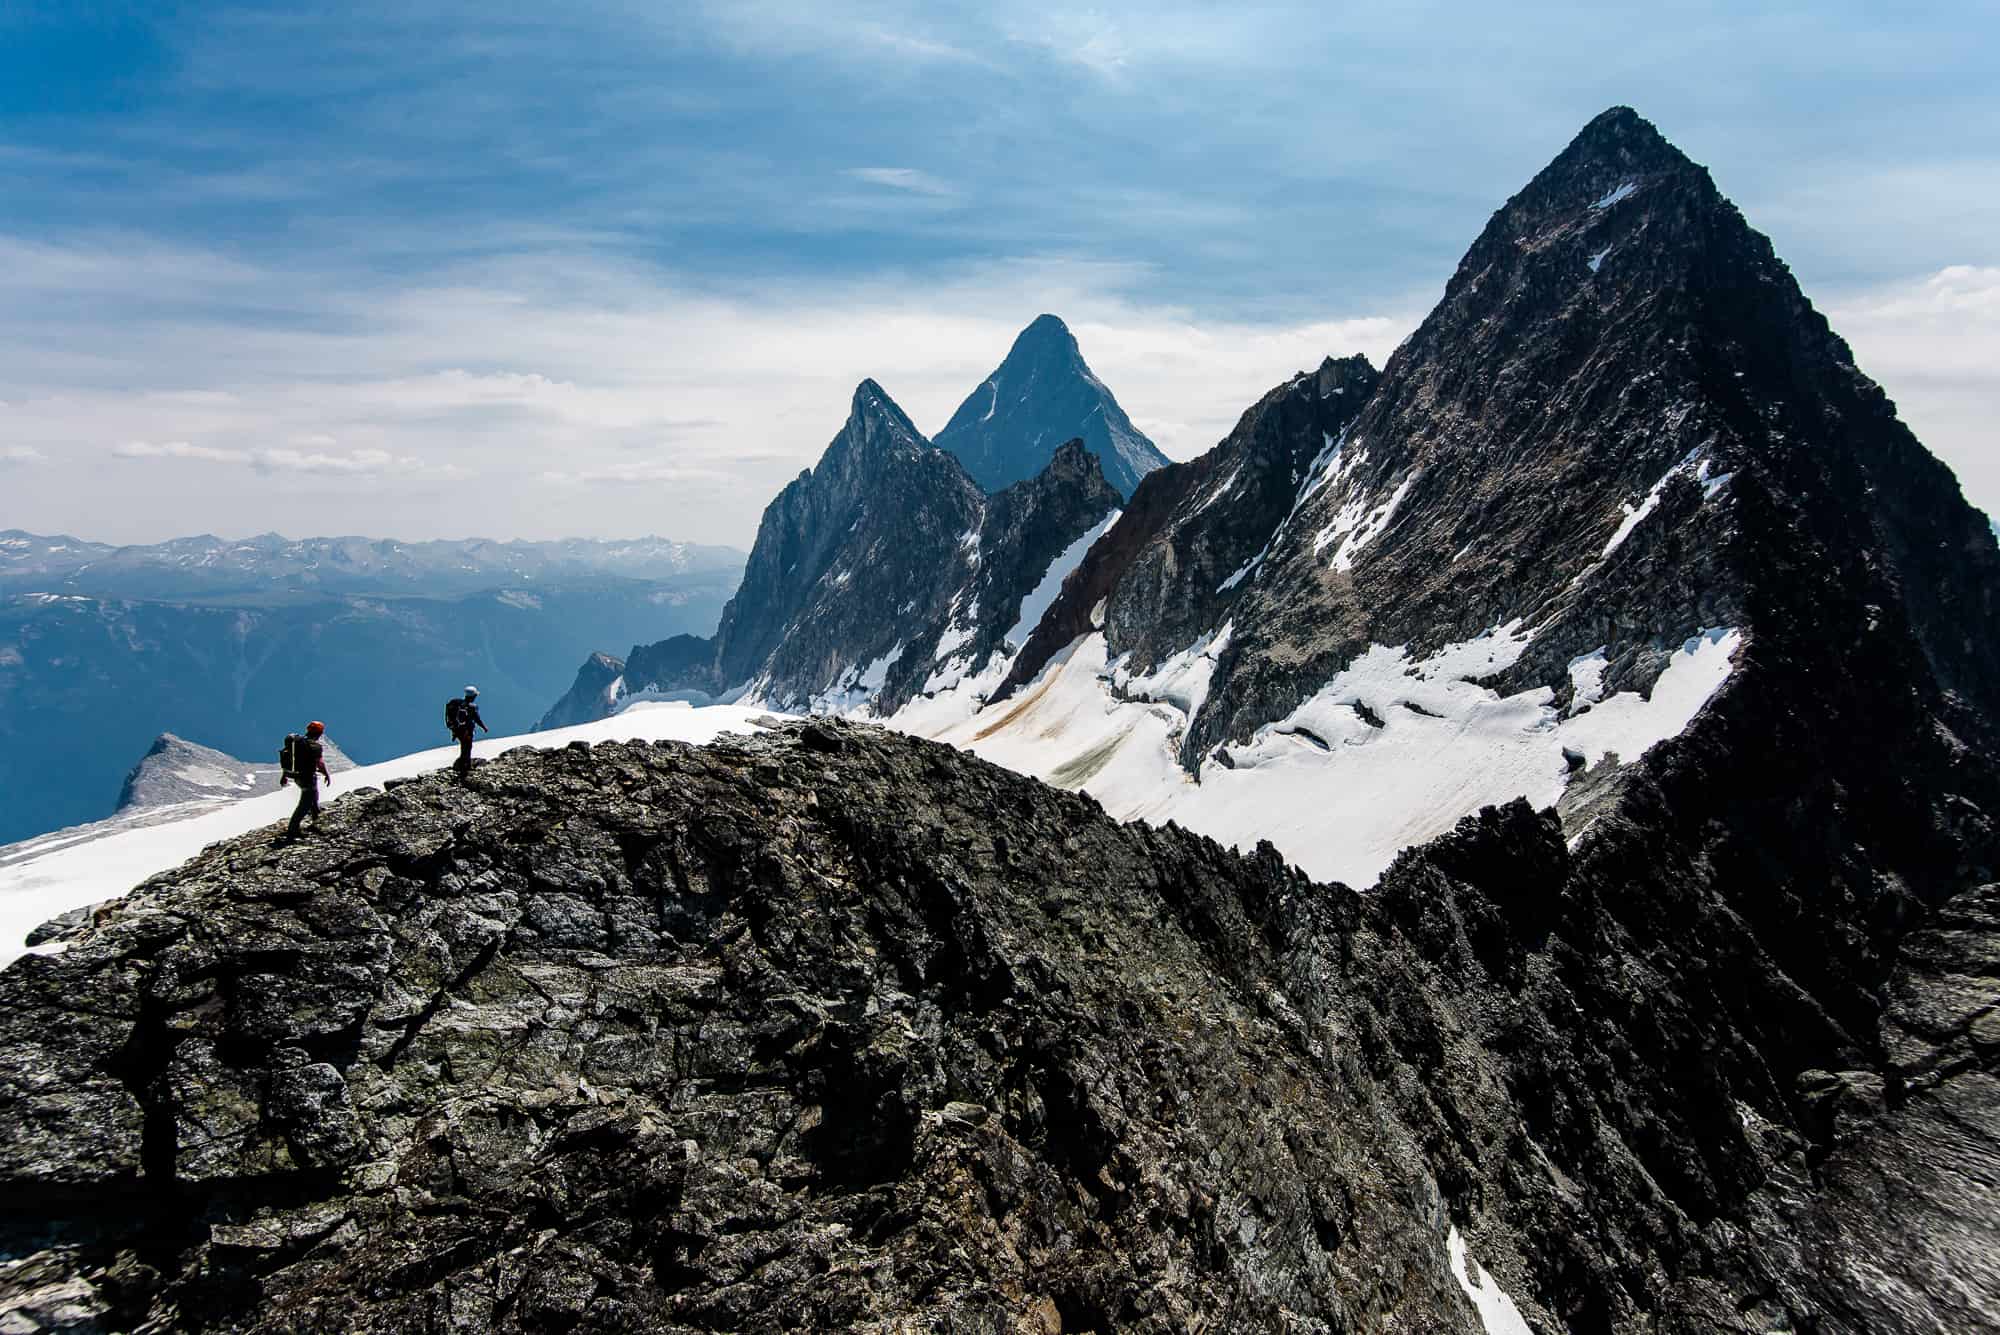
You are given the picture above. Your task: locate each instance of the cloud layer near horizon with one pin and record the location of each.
(650, 407)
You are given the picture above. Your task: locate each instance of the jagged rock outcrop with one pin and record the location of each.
(1042, 395)
(594, 693)
(175, 770)
(881, 570)
(832, 1029)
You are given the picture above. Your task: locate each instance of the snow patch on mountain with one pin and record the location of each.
(855, 688)
(1391, 752)
(1616, 196)
(1182, 681)
(1043, 595)
(1586, 677)
(1497, 1313)
(1356, 524)
(1636, 514)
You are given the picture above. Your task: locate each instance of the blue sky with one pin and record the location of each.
(435, 269)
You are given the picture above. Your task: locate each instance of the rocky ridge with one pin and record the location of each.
(832, 1028)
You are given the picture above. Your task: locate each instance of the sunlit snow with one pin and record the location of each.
(1497, 1313)
(1389, 753)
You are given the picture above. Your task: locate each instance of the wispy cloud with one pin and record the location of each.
(363, 462)
(901, 178)
(369, 462)
(21, 454)
(178, 449)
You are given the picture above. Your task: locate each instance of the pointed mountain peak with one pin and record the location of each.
(1042, 395)
(1072, 459)
(1343, 375)
(1619, 141)
(871, 397)
(1611, 158)
(1046, 340)
(1044, 328)
(873, 408)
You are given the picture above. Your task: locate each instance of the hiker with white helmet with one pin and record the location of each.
(461, 715)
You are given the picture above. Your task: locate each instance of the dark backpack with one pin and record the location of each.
(286, 764)
(454, 713)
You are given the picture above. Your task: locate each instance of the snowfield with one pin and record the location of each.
(54, 874)
(1391, 752)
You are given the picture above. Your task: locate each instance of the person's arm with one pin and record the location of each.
(322, 771)
(480, 721)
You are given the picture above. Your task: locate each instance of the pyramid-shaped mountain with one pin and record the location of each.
(1621, 529)
(880, 574)
(1041, 396)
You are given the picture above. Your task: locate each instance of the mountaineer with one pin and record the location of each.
(461, 715)
(303, 761)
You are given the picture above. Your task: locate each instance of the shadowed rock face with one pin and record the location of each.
(835, 1028)
(1179, 559)
(881, 566)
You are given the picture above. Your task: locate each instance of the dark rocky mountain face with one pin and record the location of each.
(872, 574)
(1622, 423)
(84, 681)
(843, 553)
(833, 1028)
(1040, 397)
(1176, 562)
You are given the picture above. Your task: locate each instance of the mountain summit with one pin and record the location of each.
(1042, 395)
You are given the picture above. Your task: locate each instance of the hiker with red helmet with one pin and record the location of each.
(303, 761)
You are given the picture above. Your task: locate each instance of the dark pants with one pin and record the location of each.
(464, 762)
(308, 805)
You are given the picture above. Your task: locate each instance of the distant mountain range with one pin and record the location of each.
(899, 566)
(268, 564)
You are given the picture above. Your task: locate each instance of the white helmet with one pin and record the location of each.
(471, 692)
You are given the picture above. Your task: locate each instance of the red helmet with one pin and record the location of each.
(315, 728)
